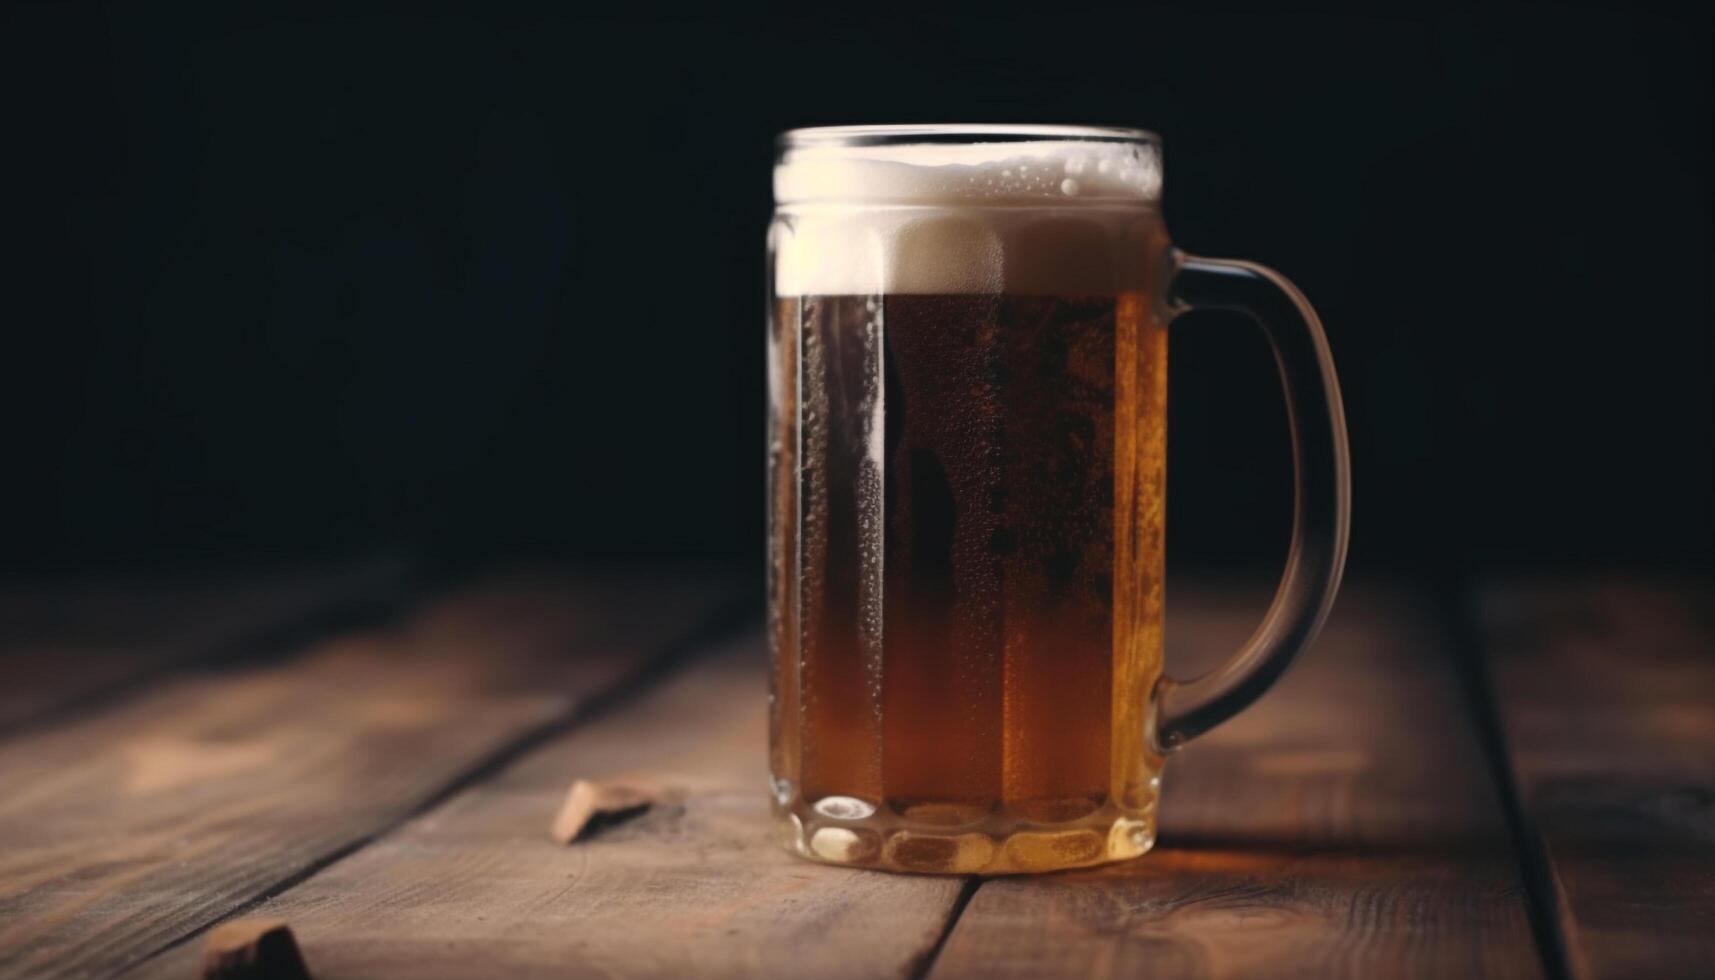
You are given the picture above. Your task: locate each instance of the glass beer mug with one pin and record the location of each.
(967, 433)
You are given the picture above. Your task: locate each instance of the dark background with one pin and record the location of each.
(476, 285)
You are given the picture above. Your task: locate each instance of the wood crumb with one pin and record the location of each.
(592, 803)
(253, 949)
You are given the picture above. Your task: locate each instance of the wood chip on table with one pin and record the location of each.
(592, 804)
(253, 949)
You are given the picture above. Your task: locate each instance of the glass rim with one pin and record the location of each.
(899, 134)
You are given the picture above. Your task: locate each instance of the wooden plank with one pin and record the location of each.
(476, 887)
(128, 830)
(1606, 695)
(1347, 825)
(69, 643)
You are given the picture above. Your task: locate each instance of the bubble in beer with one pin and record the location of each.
(1069, 187)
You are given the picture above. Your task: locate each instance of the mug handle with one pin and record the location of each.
(1322, 493)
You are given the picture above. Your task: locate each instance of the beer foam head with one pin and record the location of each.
(1022, 210)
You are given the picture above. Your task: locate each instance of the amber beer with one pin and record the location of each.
(960, 492)
(966, 444)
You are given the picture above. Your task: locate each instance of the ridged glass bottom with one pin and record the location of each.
(935, 838)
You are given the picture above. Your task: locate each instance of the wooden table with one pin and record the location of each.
(1515, 778)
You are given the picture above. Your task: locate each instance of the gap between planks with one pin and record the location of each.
(1605, 689)
(1458, 597)
(967, 891)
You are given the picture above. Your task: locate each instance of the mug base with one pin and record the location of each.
(947, 838)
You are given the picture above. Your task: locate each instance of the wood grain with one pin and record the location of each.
(1606, 693)
(477, 887)
(67, 643)
(1347, 825)
(128, 830)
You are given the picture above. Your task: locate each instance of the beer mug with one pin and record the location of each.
(967, 434)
